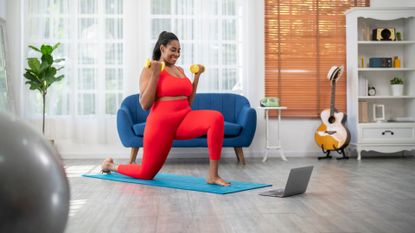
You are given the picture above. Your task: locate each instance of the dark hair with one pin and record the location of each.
(164, 39)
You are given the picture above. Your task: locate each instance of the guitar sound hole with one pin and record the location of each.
(332, 119)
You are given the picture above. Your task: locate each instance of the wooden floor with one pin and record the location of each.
(372, 195)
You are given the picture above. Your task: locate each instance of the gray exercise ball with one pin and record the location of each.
(34, 190)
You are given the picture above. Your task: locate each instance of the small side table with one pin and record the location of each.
(267, 145)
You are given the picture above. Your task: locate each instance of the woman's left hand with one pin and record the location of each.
(201, 70)
(197, 69)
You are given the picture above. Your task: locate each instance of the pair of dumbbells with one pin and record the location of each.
(195, 68)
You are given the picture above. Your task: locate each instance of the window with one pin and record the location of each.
(91, 36)
(303, 39)
(209, 34)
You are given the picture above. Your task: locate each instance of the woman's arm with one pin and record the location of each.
(195, 82)
(148, 84)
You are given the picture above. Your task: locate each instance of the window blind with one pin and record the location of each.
(303, 39)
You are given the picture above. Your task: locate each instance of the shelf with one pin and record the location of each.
(386, 42)
(387, 123)
(386, 69)
(386, 97)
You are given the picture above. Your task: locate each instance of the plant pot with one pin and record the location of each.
(397, 89)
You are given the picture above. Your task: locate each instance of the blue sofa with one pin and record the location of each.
(240, 122)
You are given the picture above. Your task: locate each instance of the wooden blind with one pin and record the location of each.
(303, 39)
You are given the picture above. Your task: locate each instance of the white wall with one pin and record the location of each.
(394, 3)
(3, 9)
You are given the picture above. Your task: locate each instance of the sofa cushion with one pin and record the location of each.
(231, 129)
(139, 129)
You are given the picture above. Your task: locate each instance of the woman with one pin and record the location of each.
(169, 94)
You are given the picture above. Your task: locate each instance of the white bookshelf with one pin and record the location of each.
(386, 97)
(386, 69)
(364, 42)
(390, 135)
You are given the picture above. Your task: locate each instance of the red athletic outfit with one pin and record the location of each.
(174, 119)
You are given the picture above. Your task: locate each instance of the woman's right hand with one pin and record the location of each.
(155, 66)
(148, 84)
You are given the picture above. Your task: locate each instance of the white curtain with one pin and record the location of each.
(4, 86)
(81, 108)
(210, 33)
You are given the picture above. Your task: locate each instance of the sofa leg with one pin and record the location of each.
(133, 155)
(239, 154)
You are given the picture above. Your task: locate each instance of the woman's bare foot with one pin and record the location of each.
(107, 166)
(217, 180)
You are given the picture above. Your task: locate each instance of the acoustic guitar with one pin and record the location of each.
(332, 135)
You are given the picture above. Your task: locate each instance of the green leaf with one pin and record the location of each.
(46, 49)
(34, 64)
(45, 65)
(52, 71)
(59, 78)
(48, 58)
(59, 60)
(36, 76)
(50, 75)
(34, 48)
(30, 77)
(34, 86)
(56, 46)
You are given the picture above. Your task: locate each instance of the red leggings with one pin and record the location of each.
(169, 120)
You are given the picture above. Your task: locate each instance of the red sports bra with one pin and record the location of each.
(169, 85)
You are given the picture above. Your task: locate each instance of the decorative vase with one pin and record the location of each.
(397, 89)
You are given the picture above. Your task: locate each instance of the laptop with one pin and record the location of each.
(296, 184)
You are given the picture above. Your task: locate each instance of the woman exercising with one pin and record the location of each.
(168, 93)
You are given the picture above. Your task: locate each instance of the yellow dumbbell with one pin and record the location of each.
(147, 64)
(196, 68)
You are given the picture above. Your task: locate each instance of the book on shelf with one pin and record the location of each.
(363, 86)
(363, 112)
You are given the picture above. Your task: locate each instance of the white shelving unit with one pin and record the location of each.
(390, 135)
(386, 42)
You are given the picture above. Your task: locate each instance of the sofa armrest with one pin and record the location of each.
(125, 126)
(247, 118)
(246, 115)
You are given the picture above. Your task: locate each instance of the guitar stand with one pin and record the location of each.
(327, 152)
(328, 156)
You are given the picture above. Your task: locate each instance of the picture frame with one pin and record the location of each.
(378, 112)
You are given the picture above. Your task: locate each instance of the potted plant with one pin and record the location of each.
(396, 86)
(42, 73)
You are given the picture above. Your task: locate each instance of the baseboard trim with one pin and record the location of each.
(124, 153)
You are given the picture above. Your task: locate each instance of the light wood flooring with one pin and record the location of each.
(372, 195)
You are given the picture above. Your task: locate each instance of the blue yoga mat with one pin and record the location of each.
(197, 184)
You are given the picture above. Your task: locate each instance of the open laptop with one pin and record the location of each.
(296, 184)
